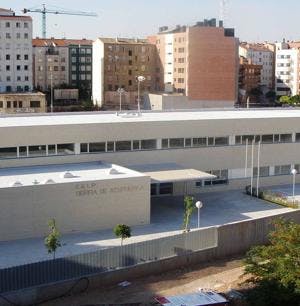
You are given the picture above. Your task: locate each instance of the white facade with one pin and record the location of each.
(15, 52)
(286, 70)
(263, 57)
(98, 73)
(169, 62)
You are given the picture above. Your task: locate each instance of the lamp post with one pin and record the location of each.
(51, 92)
(120, 91)
(294, 172)
(139, 79)
(199, 205)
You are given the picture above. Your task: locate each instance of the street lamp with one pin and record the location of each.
(120, 91)
(294, 172)
(199, 205)
(139, 79)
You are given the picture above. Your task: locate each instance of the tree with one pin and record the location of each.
(295, 99)
(122, 231)
(285, 99)
(52, 241)
(275, 268)
(189, 208)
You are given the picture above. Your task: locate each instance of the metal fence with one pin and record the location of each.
(61, 269)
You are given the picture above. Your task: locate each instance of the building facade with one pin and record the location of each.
(287, 70)
(261, 54)
(200, 62)
(42, 167)
(15, 52)
(116, 64)
(249, 78)
(12, 103)
(65, 63)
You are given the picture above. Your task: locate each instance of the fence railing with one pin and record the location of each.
(72, 267)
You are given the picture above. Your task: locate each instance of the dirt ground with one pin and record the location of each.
(220, 276)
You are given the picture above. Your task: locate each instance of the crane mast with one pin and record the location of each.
(44, 11)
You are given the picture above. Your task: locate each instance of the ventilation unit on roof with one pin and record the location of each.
(49, 181)
(68, 174)
(35, 182)
(16, 184)
(114, 171)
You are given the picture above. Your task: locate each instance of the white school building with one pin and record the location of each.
(94, 170)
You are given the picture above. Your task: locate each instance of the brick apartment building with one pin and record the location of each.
(116, 64)
(249, 78)
(200, 62)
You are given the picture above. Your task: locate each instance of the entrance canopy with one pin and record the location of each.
(170, 172)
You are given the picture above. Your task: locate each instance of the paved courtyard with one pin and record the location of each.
(166, 219)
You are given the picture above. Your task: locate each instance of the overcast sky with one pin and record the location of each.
(253, 20)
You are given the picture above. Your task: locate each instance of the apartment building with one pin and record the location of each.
(50, 63)
(200, 62)
(64, 62)
(249, 78)
(15, 52)
(261, 54)
(116, 64)
(287, 69)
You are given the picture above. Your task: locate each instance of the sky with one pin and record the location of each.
(253, 20)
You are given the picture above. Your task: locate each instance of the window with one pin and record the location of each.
(8, 152)
(286, 138)
(23, 151)
(7, 57)
(1, 104)
(96, 147)
(25, 25)
(26, 57)
(52, 149)
(65, 149)
(200, 142)
(176, 142)
(148, 144)
(188, 142)
(7, 67)
(153, 189)
(18, 67)
(165, 143)
(267, 138)
(37, 150)
(20, 104)
(83, 148)
(18, 57)
(26, 67)
(25, 35)
(166, 188)
(221, 178)
(123, 145)
(35, 104)
(263, 171)
(136, 145)
(110, 146)
(7, 24)
(282, 170)
(15, 104)
(221, 141)
(8, 35)
(8, 104)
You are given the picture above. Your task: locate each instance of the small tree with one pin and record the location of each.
(285, 99)
(52, 241)
(122, 231)
(189, 208)
(275, 268)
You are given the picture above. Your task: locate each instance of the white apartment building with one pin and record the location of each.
(15, 52)
(260, 54)
(286, 70)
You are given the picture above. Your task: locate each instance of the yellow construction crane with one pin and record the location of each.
(45, 11)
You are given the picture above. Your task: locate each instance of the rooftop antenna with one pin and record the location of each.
(223, 11)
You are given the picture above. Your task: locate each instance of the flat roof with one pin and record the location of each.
(171, 172)
(64, 173)
(147, 116)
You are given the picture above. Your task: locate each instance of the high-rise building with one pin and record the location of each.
(15, 52)
(260, 54)
(200, 62)
(116, 64)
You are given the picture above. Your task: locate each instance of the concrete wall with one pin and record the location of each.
(233, 239)
(76, 207)
(173, 102)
